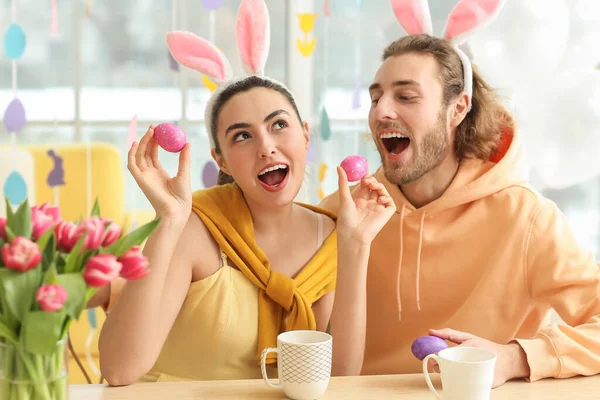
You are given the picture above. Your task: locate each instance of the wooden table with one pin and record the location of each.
(347, 388)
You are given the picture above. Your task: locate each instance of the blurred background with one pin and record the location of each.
(99, 72)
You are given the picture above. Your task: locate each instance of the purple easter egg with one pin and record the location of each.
(170, 137)
(209, 174)
(14, 116)
(425, 345)
(355, 167)
(212, 4)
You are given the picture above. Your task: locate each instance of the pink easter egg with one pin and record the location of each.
(355, 167)
(170, 137)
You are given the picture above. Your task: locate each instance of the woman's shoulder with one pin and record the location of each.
(327, 219)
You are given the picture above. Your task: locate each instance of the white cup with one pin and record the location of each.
(467, 373)
(303, 364)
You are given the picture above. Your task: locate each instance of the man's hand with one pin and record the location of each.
(511, 359)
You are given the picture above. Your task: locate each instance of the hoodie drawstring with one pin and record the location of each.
(418, 272)
(398, 299)
(419, 260)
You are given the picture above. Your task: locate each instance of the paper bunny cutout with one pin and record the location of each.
(253, 33)
(464, 20)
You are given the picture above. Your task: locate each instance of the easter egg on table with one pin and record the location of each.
(355, 167)
(425, 345)
(170, 137)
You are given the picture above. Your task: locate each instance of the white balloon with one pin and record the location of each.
(583, 49)
(524, 43)
(562, 134)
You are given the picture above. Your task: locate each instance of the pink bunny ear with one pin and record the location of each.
(253, 35)
(199, 54)
(468, 16)
(413, 15)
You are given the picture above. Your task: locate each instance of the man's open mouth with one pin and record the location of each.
(395, 143)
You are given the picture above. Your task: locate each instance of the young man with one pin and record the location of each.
(472, 251)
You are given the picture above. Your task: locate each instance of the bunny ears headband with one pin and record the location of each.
(253, 38)
(465, 19)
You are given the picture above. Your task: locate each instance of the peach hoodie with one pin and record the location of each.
(489, 257)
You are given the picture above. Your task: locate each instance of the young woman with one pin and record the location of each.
(234, 265)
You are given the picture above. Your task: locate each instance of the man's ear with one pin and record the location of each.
(459, 110)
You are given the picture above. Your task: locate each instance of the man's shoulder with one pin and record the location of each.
(330, 202)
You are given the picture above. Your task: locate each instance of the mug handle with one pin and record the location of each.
(263, 366)
(426, 373)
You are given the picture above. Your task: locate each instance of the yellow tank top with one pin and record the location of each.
(215, 334)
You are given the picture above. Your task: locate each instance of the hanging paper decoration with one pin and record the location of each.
(212, 4)
(132, 132)
(54, 23)
(326, 9)
(311, 154)
(14, 41)
(88, 341)
(172, 63)
(359, 3)
(56, 177)
(307, 24)
(322, 172)
(210, 85)
(356, 94)
(210, 172)
(88, 9)
(325, 125)
(15, 188)
(14, 116)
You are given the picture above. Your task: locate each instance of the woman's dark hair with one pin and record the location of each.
(241, 86)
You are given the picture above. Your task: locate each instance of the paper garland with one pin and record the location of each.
(14, 46)
(54, 22)
(311, 154)
(172, 63)
(210, 85)
(14, 116)
(15, 188)
(88, 9)
(88, 341)
(307, 24)
(212, 4)
(326, 9)
(210, 172)
(56, 177)
(322, 172)
(14, 42)
(325, 125)
(131, 132)
(356, 94)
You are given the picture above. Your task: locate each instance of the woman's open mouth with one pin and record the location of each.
(274, 177)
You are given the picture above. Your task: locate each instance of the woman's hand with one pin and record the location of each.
(171, 197)
(364, 213)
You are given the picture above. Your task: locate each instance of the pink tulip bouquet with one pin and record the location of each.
(49, 270)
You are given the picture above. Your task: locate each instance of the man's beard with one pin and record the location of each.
(427, 156)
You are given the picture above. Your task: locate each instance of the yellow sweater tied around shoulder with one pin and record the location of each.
(224, 211)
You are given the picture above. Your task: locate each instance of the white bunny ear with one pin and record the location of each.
(413, 15)
(199, 54)
(468, 16)
(253, 35)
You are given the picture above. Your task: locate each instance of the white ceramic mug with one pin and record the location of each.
(303, 364)
(467, 373)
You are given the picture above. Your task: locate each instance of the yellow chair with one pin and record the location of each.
(108, 185)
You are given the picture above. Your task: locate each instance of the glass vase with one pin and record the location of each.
(25, 375)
